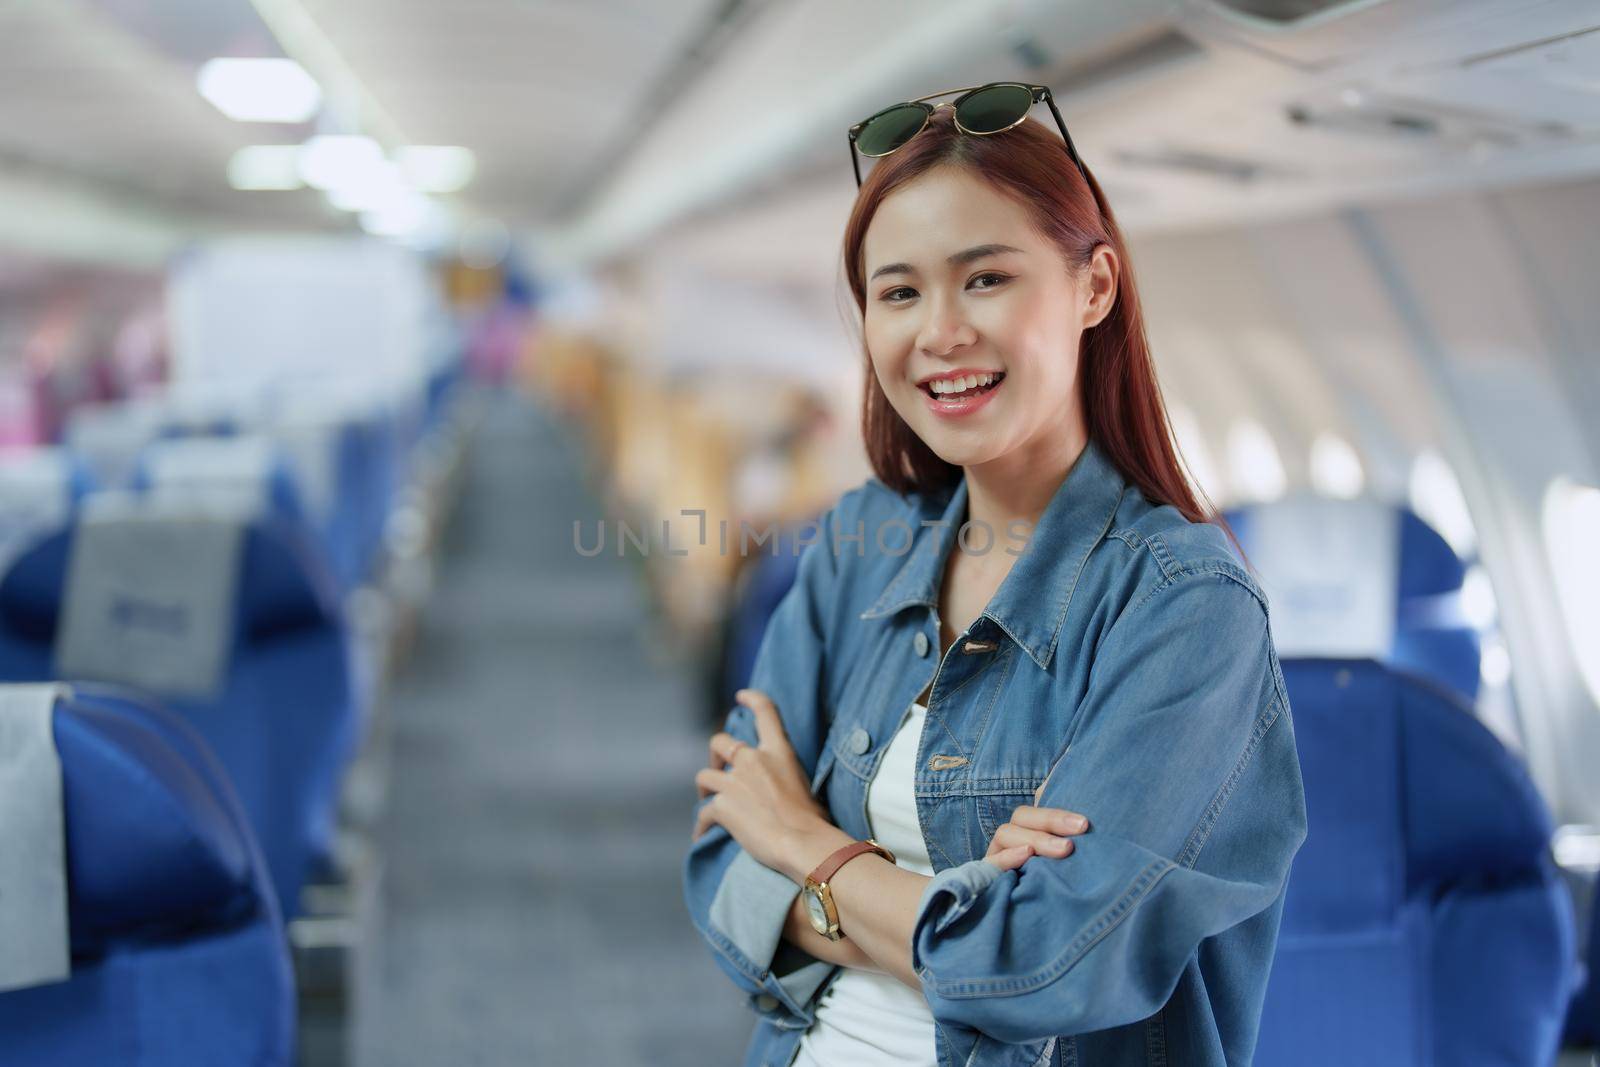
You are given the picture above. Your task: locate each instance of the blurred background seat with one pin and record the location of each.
(39, 490)
(1426, 922)
(247, 643)
(1365, 579)
(178, 953)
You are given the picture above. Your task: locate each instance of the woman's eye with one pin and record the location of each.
(901, 293)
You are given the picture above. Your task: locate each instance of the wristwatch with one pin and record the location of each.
(819, 898)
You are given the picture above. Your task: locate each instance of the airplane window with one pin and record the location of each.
(1335, 467)
(1253, 459)
(1494, 670)
(1437, 500)
(1571, 530)
(1196, 456)
(1477, 598)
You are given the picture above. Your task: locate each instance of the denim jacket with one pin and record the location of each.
(1126, 663)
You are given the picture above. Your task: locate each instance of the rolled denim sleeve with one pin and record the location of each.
(1183, 760)
(739, 905)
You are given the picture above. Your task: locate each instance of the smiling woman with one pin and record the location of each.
(1026, 245)
(1090, 796)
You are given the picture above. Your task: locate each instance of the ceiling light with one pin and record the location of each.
(401, 218)
(370, 188)
(260, 90)
(334, 161)
(437, 168)
(265, 166)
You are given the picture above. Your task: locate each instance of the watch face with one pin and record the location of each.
(819, 916)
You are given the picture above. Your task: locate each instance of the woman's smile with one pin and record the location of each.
(959, 393)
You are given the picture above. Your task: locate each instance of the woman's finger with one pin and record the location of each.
(1009, 858)
(723, 747)
(1045, 844)
(1051, 820)
(769, 724)
(711, 781)
(702, 821)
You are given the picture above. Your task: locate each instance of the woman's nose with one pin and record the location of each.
(946, 328)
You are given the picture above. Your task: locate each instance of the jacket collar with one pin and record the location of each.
(1032, 602)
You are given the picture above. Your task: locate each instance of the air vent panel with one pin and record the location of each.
(1287, 12)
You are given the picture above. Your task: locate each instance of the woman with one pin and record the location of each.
(1070, 730)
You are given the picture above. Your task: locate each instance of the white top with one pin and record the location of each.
(863, 1018)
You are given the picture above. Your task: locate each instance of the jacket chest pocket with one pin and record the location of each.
(995, 808)
(999, 798)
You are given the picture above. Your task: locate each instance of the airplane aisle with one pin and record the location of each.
(540, 800)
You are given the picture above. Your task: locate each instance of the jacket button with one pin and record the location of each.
(860, 741)
(766, 1002)
(920, 643)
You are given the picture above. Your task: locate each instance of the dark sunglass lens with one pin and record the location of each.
(993, 109)
(888, 130)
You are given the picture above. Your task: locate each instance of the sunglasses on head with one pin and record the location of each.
(980, 110)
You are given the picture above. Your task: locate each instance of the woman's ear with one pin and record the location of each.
(1104, 268)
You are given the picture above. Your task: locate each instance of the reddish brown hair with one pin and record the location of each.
(1121, 398)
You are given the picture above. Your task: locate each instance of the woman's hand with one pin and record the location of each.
(1034, 831)
(763, 798)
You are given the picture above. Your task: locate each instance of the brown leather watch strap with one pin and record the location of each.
(827, 868)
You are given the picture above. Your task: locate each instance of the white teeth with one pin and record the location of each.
(958, 385)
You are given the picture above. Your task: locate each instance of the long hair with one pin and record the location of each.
(1122, 401)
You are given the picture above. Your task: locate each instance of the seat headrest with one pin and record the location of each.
(154, 842)
(1361, 579)
(44, 479)
(208, 408)
(246, 471)
(109, 437)
(39, 488)
(283, 585)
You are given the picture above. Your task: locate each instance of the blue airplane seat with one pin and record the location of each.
(442, 382)
(1425, 922)
(39, 490)
(1583, 1019)
(766, 579)
(282, 711)
(46, 474)
(244, 468)
(332, 459)
(1431, 637)
(108, 438)
(213, 408)
(357, 440)
(178, 954)
(371, 465)
(1361, 579)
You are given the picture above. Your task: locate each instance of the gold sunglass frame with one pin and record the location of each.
(1039, 93)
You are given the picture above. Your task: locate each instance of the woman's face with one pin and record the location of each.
(960, 284)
